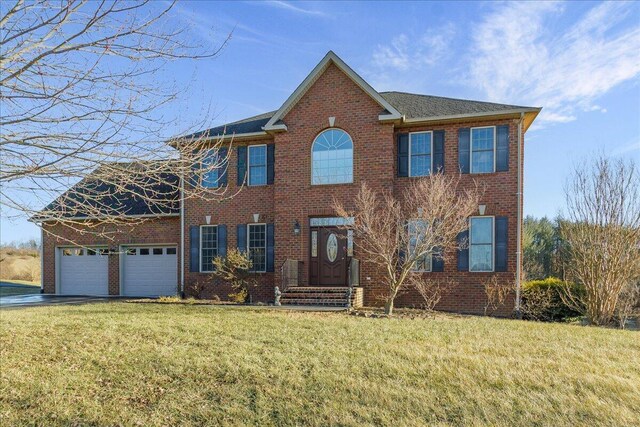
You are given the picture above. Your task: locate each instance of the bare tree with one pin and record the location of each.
(398, 235)
(602, 235)
(83, 97)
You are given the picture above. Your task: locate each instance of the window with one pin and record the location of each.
(131, 251)
(420, 144)
(483, 145)
(257, 165)
(417, 228)
(144, 251)
(481, 244)
(171, 251)
(210, 178)
(66, 252)
(208, 247)
(332, 158)
(103, 251)
(257, 244)
(157, 251)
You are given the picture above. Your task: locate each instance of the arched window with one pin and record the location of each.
(332, 158)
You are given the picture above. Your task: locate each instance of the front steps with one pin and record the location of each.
(321, 296)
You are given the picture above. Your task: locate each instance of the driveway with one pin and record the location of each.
(18, 301)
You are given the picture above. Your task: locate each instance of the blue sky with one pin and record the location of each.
(580, 61)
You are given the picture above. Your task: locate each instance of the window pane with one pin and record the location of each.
(421, 143)
(208, 247)
(482, 150)
(481, 230)
(157, 251)
(144, 251)
(131, 251)
(481, 257)
(258, 165)
(416, 229)
(91, 252)
(66, 252)
(332, 158)
(171, 251)
(258, 246)
(210, 178)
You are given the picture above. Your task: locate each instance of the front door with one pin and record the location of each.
(328, 257)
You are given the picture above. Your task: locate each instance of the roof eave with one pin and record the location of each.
(487, 114)
(36, 219)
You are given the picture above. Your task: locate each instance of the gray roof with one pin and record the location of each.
(415, 106)
(141, 194)
(411, 105)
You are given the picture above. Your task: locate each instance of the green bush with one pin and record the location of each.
(541, 300)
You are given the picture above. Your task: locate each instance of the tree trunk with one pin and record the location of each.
(388, 307)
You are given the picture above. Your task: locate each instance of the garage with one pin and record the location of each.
(149, 271)
(83, 271)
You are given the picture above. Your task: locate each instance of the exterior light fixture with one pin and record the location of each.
(296, 228)
(256, 217)
(482, 208)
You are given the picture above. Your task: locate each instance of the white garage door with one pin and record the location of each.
(83, 271)
(149, 271)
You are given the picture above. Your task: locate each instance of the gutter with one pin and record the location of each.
(41, 258)
(519, 224)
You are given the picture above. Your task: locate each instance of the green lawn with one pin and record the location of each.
(149, 364)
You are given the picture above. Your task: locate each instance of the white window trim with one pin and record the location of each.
(265, 244)
(266, 165)
(201, 227)
(353, 156)
(431, 155)
(471, 148)
(413, 268)
(493, 243)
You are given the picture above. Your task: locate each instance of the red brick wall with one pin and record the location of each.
(147, 231)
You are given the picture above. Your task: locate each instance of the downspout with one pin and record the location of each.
(41, 258)
(182, 235)
(519, 225)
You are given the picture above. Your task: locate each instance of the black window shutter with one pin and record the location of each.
(270, 248)
(502, 148)
(192, 180)
(224, 165)
(437, 262)
(463, 254)
(501, 239)
(242, 165)
(194, 249)
(464, 150)
(271, 160)
(438, 151)
(222, 241)
(403, 154)
(241, 235)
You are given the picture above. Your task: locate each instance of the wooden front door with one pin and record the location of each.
(328, 257)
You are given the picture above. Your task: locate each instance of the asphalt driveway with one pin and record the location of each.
(18, 301)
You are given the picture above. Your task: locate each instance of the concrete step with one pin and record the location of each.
(313, 301)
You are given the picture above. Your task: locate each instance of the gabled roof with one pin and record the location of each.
(389, 111)
(400, 107)
(139, 195)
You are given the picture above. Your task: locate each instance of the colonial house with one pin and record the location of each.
(332, 134)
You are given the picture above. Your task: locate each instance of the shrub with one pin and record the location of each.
(235, 269)
(542, 300)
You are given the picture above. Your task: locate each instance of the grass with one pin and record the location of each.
(25, 288)
(147, 364)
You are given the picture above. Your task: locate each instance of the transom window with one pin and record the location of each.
(208, 247)
(483, 143)
(481, 244)
(257, 244)
(257, 165)
(210, 178)
(332, 158)
(417, 228)
(420, 144)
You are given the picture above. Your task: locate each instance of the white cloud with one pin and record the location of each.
(520, 57)
(293, 8)
(405, 52)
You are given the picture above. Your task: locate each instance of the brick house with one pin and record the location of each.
(333, 133)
